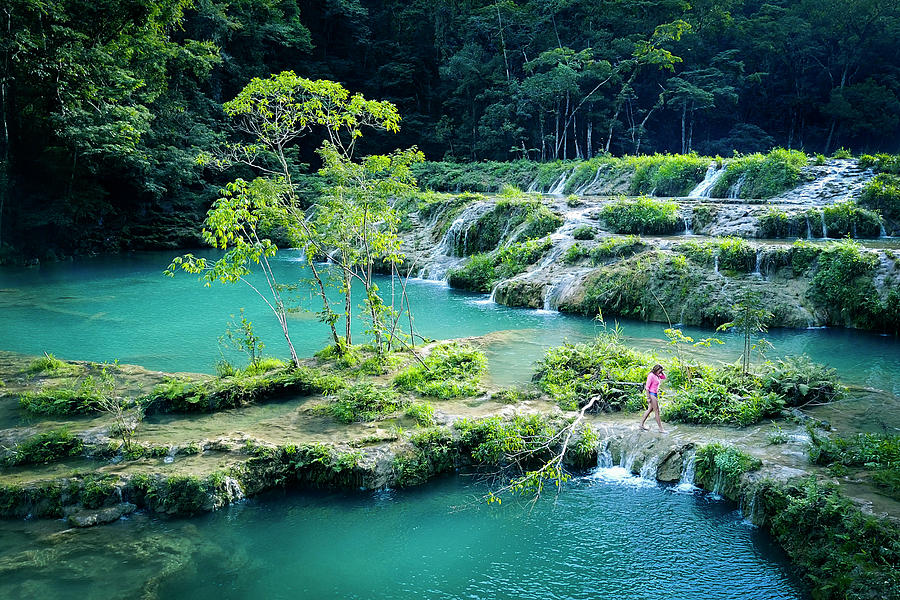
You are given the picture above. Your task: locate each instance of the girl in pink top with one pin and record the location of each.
(652, 388)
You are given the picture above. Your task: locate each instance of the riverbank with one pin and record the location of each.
(189, 463)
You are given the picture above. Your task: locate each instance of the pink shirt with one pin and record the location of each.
(652, 384)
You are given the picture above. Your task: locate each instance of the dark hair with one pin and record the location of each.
(656, 369)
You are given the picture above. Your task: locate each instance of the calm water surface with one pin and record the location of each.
(599, 540)
(122, 307)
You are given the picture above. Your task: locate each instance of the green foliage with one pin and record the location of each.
(86, 397)
(241, 336)
(666, 174)
(422, 413)
(492, 440)
(45, 448)
(736, 254)
(847, 219)
(50, 365)
(617, 247)
(776, 223)
(842, 153)
(575, 253)
(96, 489)
(584, 232)
(720, 468)
(881, 163)
(726, 398)
(799, 381)
(450, 371)
(527, 218)
(514, 395)
(365, 402)
(435, 453)
(875, 452)
(803, 256)
(762, 175)
(573, 373)
(483, 271)
(882, 193)
(842, 284)
(644, 215)
(186, 396)
(843, 552)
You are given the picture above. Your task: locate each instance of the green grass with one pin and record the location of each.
(451, 370)
(50, 365)
(617, 247)
(798, 381)
(585, 232)
(848, 219)
(484, 270)
(644, 215)
(84, 397)
(882, 193)
(720, 468)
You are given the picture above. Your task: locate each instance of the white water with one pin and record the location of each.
(735, 191)
(705, 187)
(688, 472)
(824, 227)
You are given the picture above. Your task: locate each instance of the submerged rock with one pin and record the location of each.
(90, 518)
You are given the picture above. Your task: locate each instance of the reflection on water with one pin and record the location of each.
(123, 307)
(599, 540)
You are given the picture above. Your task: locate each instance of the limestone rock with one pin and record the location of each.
(90, 518)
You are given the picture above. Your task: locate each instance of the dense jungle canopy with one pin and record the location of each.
(105, 105)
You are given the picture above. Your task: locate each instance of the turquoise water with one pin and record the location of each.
(599, 540)
(122, 307)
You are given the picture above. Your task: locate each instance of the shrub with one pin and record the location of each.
(803, 256)
(776, 223)
(491, 440)
(762, 175)
(585, 232)
(476, 275)
(46, 447)
(365, 402)
(842, 153)
(644, 215)
(848, 219)
(507, 216)
(798, 381)
(450, 371)
(436, 452)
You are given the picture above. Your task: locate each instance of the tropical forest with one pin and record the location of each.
(480, 299)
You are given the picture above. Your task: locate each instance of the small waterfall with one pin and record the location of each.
(649, 468)
(604, 458)
(882, 232)
(533, 186)
(824, 227)
(716, 265)
(688, 471)
(628, 458)
(445, 255)
(735, 192)
(756, 271)
(688, 219)
(557, 291)
(808, 229)
(705, 187)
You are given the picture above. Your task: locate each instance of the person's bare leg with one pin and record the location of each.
(646, 414)
(656, 414)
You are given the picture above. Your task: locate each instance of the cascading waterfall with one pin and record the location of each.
(756, 270)
(824, 226)
(688, 219)
(716, 265)
(649, 468)
(582, 189)
(560, 186)
(808, 229)
(445, 256)
(882, 232)
(705, 187)
(233, 489)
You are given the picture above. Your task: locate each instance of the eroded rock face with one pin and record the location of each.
(520, 293)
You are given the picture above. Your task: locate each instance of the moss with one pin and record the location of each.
(505, 219)
(843, 286)
(449, 371)
(46, 448)
(585, 232)
(97, 489)
(617, 247)
(435, 452)
(50, 365)
(644, 215)
(803, 256)
(422, 413)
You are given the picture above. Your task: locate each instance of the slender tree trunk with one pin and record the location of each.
(502, 41)
(348, 308)
(566, 130)
(556, 134)
(683, 119)
(587, 142)
(690, 142)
